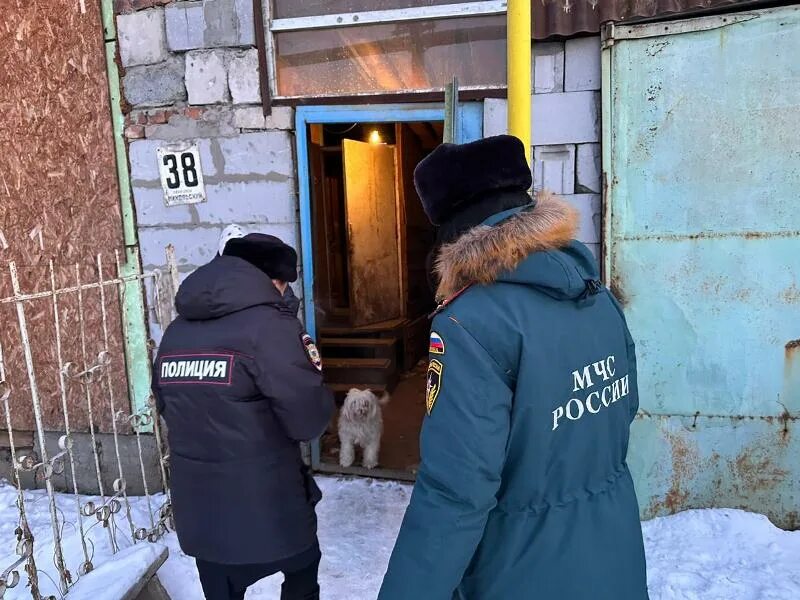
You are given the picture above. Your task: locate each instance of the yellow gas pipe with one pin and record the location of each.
(519, 72)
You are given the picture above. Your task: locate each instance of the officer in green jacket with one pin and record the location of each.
(523, 491)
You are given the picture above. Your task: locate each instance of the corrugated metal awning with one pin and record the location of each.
(565, 18)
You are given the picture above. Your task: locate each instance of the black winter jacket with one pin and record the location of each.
(237, 387)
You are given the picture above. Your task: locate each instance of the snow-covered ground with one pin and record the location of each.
(696, 555)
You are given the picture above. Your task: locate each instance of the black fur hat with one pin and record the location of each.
(455, 177)
(268, 253)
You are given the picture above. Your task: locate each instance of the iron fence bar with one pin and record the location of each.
(46, 466)
(162, 457)
(24, 537)
(37, 412)
(87, 564)
(85, 382)
(112, 403)
(73, 289)
(174, 275)
(139, 421)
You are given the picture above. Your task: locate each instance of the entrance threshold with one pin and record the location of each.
(378, 473)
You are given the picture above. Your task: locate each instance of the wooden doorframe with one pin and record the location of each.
(470, 127)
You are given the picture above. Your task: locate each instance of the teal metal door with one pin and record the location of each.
(702, 238)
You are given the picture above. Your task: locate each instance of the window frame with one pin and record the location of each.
(372, 17)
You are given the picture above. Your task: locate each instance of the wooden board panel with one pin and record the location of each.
(401, 219)
(372, 232)
(322, 257)
(417, 230)
(58, 194)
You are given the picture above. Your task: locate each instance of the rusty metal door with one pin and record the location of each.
(371, 206)
(702, 232)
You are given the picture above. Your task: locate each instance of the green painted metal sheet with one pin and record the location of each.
(702, 240)
(137, 355)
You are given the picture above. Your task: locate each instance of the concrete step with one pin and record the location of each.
(129, 575)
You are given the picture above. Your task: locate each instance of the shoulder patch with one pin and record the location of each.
(312, 352)
(436, 345)
(198, 369)
(434, 384)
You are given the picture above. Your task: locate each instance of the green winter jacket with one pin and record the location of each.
(523, 491)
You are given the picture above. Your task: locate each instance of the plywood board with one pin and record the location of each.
(58, 196)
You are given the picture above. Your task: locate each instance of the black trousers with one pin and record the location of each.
(230, 582)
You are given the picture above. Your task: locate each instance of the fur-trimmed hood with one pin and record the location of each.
(533, 247)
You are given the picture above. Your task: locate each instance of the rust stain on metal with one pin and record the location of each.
(684, 466)
(713, 235)
(619, 291)
(785, 419)
(754, 469)
(791, 370)
(791, 295)
(643, 414)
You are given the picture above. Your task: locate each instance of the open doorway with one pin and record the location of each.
(372, 298)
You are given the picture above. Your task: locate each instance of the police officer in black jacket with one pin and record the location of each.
(239, 384)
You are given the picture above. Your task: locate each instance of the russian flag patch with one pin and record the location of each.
(437, 344)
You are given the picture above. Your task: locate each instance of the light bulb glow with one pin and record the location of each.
(375, 137)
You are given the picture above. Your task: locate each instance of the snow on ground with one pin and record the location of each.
(695, 555)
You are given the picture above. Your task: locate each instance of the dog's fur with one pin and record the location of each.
(481, 254)
(361, 424)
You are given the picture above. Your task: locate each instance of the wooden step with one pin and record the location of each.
(366, 371)
(357, 363)
(344, 330)
(365, 342)
(367, 347)
(343, 388)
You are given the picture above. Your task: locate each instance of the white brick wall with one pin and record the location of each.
(243, 78)
(554, 168)
(206, 77)
(563, 118)
(196, 61)
(209, 24)
(566, 127)
(548, 67)
(589, 168)
(582, 70)
(142, 39)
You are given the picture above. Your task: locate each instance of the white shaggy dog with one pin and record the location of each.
(361, 424)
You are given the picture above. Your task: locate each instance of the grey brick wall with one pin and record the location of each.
(249, 179)
(566, 127)
(191, 74)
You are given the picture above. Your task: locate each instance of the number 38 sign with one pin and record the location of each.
(181, 175)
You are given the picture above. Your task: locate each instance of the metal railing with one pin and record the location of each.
(92, 376)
